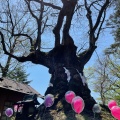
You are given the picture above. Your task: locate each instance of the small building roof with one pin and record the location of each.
(18, 87)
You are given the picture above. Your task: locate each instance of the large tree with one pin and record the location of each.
(39, 17)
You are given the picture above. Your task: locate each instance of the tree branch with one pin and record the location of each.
(48, 4)
(68, 11)
(85, 56)
(39, 22)
(89, 16)
(99, 29)
(36, 57)
(103, 8)
(10, 15)
(25, 35)
(4, 47)
(33, 15)
(93, 28)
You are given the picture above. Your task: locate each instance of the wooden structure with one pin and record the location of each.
(11, 92)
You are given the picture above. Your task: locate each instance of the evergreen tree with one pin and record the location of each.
(114, 23)
(19, 75)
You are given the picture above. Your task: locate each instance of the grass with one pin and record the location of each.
(71, 115)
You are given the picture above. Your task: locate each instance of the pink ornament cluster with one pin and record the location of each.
(76, 102)
(115, 109)
(18, 108)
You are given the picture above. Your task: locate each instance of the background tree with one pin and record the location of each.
(114, 50)
(8, 65)
(105, 79)
(63, 54)
(114, 23)
(11, 69)
(18, 74)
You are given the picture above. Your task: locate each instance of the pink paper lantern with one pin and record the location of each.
(111, 104)
(78, 104)
(15, 108)
(115, 111)
(69, 95)
(18, 109)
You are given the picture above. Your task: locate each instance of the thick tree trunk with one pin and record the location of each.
(64, 57)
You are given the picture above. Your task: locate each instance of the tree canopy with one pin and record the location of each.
(114, 23)
(105, 78)
(29, 20)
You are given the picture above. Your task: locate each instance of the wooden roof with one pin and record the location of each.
(18, 87)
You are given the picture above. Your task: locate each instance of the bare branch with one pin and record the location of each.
(48, 4)
(100, 27)
(28, 4)
(93, 28)
(39, 32)
(89, 16)
(4, 47)
(44, 25)
(103, 8)
(36, 57)
(25, 35)
(85, 56)
(10, 15)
